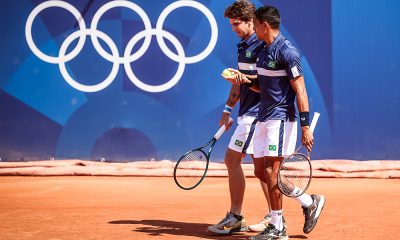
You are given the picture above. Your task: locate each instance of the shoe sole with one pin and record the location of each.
(320, 207)
(226, 232)
(279, 238)
(258, 227)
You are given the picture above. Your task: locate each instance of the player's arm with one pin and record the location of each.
(299, 87)
(234, 96)
(294, 70)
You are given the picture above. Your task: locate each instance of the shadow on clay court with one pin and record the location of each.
(164, 227)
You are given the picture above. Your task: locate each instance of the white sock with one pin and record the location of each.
(304, 199)
(277, 219)
(296, 192)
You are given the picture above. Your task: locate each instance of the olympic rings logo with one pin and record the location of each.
(114, 57)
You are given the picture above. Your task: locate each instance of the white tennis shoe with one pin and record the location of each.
(259, 227)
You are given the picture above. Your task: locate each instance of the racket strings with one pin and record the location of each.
(295, 173)
(191, 168)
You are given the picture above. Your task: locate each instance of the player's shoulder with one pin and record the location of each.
(288, 50)
(287, 46)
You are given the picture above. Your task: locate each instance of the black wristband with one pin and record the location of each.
(304, 118)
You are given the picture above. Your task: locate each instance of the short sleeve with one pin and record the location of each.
(292, 64)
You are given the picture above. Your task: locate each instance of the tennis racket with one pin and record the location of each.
(295, 172)
(192, 167)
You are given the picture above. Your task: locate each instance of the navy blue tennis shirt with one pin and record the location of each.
(277, 64)
(247, 57)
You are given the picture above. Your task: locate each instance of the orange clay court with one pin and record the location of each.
(114, 207)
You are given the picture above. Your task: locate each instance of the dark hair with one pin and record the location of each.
(270, 15)
(241, 9)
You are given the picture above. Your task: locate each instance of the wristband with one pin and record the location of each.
(227, 109)
(304, 118)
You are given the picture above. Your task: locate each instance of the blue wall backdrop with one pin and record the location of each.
(150, 87)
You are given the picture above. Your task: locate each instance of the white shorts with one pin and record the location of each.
(242, 138)
(275, 138)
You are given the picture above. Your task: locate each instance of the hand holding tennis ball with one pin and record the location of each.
(230, 75)
(227, 73)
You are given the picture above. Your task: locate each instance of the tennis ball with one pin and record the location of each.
(227, 73)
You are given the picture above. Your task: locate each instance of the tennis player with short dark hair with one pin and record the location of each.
(240, 15)
(280, 82)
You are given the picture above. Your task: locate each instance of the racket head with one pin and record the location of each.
(294, 175)
(191, 169)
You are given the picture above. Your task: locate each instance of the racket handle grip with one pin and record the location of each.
(314, 121)
(220, 132)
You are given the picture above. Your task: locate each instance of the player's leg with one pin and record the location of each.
(237, 183)
(240, 144)
(273, 156)
(258, 148)
(271, 141)
(260, 226)
(276, 229)
(271, 171)
(249, 149)
(234, 221)
(311, 205)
